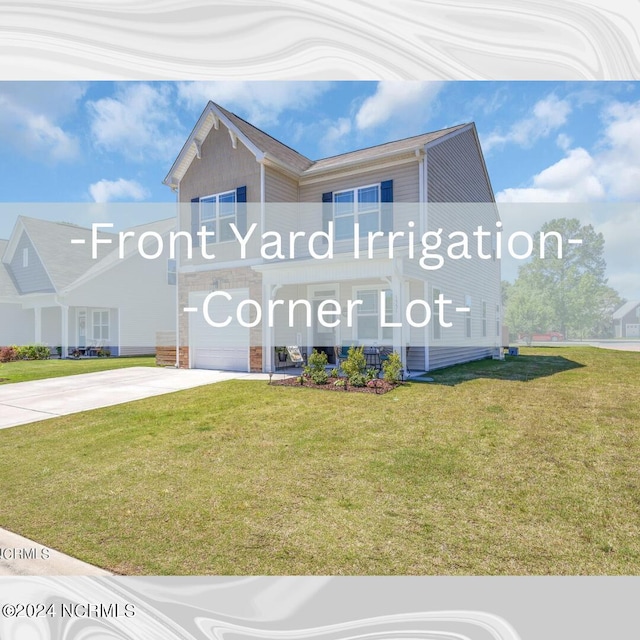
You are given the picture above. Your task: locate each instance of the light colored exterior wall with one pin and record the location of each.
(280, 187)
(455, 171)
(17, 325)
(221, 168)
(455, 174)
(136, 312)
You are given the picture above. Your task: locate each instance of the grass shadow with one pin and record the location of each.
(521, 368)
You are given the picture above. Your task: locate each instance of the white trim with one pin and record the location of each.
(304, 181)
(210, 118)
(378, 288)
(216, 218)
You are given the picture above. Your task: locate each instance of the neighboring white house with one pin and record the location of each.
(53, 292)
(230, 171)
(626, 320)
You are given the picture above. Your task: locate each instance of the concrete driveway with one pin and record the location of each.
(25, 402)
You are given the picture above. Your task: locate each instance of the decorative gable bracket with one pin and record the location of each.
(198, 144)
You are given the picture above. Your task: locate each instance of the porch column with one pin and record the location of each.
(37, 312)
(64, 342)
(397, 290)
(268, 291)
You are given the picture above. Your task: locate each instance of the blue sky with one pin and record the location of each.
(115, 141)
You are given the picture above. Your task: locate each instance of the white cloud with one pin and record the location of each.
(32, 116)
(110, 190)
(610, 172)
(547, 115)
(261, 103)
(394, 99)
(139, 122)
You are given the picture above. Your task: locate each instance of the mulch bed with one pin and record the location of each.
(374, 386)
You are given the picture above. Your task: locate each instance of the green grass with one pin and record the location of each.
(25, 370)
(528, 466)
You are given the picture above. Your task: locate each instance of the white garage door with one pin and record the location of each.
(225, 348)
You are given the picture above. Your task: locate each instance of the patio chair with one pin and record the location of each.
(341, 353)
(296, 356)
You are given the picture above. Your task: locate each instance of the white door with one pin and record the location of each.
(225, 348)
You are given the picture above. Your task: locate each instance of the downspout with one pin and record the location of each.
(267, 333)
(424, 224)
(178, 269)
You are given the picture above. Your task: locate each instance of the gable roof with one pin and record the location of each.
(112, 258)
(7, 287)
(266, 147)
(627, 307)
(395, 147)
(63, 261)
(272, 147)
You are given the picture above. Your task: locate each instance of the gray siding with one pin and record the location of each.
(405, 182)
(221, 168)
(279, 187)
(440, 357)
(455, 171)
(34, 277)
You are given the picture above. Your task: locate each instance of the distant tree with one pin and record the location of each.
(506, 290)
(568, 294)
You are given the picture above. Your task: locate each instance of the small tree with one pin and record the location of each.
(392, 368)
(315, 368)
(355, 366)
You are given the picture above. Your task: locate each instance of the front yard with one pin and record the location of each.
(523, 467)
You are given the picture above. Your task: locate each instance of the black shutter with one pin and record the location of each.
(327, 212)
(241, 210)
(386, 212)
(195, 222)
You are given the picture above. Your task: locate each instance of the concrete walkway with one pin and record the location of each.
(22, 557)
(25, 402)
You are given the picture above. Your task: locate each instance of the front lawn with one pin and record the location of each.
(25, 370)
(524, 467)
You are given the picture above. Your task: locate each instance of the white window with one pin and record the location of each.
(25, 257)
(498, 321)
(367, 321)
(171, 272)
(435, 321)
(484, 319)
(467, 303)
(100, 325)
(361, 205)
(217, 212)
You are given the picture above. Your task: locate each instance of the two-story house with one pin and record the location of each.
(237, 182)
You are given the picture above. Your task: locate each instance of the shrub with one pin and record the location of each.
(358, 380)
(392, 368)
(341, 382)
(355, 365)
(315, 368)
(32, 352)
(8, 354)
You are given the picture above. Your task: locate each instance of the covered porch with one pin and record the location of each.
(359, 304)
